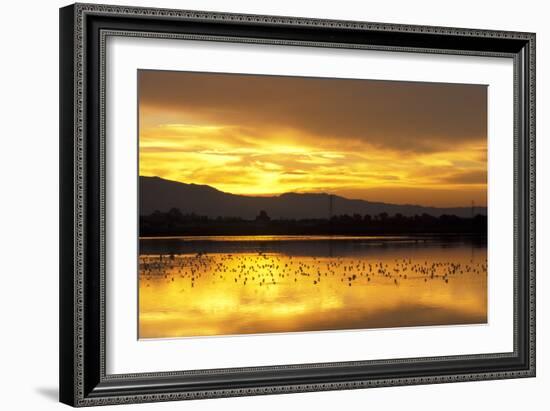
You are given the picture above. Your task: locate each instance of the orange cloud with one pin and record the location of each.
(262, 147)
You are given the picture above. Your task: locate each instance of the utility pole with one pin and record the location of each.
(330, 222)
(472, 223)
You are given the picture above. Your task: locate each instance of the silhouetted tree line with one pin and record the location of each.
(174, 222)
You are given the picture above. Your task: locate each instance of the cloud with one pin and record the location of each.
(408, 116)
(467, 177)
(268, 135)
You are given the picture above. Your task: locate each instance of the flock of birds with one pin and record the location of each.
(272, 269)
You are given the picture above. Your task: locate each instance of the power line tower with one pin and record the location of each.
(330, 222)
(472, 223)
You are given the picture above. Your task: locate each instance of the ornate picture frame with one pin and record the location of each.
(84, 30)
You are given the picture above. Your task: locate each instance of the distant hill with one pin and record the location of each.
(162, 195)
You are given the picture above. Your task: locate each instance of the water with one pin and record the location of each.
(198, 286)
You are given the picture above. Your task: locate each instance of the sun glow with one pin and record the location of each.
(247, 147)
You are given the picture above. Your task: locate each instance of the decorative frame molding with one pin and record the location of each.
(83, 32)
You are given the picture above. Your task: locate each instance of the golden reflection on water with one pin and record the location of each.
(183, 295)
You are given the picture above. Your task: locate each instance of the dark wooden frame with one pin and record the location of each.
(83, 30)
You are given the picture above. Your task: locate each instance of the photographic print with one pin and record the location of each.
(258, 205)
(277, 204)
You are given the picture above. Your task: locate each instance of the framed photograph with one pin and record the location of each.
(260, 204)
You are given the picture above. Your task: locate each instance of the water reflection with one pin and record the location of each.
(223, 286)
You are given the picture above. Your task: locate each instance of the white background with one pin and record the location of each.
(29, 205)
(125, 354)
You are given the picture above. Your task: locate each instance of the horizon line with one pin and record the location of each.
(314, 193)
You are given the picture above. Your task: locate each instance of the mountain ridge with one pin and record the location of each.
(160, 194)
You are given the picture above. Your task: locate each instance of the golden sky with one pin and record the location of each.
(398, 142)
